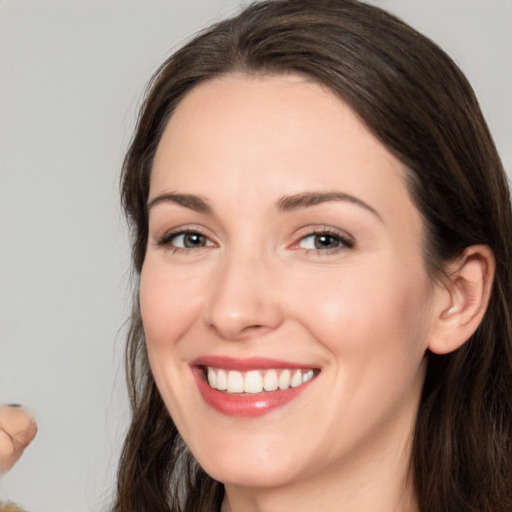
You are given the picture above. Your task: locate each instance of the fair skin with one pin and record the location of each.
(17, 430)
(281, 229)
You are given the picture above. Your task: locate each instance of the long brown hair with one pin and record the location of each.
(416, 101)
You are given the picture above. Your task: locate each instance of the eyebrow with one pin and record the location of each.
(191, 201)
(285, 204)
(306, 199)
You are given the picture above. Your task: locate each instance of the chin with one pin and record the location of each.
(251, 469)
(251, 475)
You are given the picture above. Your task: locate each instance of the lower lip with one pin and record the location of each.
(247, 406)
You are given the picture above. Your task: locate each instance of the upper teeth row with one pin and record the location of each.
(256, 381)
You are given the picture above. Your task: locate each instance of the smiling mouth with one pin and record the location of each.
(254, 382)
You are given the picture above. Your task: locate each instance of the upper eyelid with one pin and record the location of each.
(344, 242)
(323, 229)
(167, 235)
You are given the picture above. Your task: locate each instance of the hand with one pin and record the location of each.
(17, 429)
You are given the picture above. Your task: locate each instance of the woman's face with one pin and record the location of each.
(284, 252)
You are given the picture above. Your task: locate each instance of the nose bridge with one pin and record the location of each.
(242, 300)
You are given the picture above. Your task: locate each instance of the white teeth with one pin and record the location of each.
(256, 381)
(253, 382)
(284, 379)
(212, 378)
(307, 376)
(222, 380)
(296, 379)
(270, 381)
(235, 382)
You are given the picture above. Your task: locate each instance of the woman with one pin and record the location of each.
(321, 234)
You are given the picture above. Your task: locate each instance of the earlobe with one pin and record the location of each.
(464, 299)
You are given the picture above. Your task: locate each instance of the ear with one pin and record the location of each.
(463, 299)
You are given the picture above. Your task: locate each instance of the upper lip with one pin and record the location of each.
(246, 364)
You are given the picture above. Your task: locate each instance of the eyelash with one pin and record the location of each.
(167, 240)
(343, 242)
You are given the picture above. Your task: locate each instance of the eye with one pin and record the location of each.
(324, 241)
(186, 240)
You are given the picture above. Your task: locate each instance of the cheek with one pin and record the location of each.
(168, 309)
(169, 301)
(374, 327)
(366, 310)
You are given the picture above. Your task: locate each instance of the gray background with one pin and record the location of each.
(71, 78)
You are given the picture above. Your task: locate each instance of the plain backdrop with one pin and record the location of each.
(72, 75)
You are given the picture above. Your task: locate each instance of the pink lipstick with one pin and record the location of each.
(250, 387)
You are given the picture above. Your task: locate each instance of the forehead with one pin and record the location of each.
(253, 136)
(265, 116)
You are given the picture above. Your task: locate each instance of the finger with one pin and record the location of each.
(17, 429)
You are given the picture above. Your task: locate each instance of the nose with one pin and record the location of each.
(244, 299)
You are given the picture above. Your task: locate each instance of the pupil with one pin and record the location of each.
(193, 240)
(323, 241)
